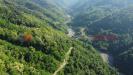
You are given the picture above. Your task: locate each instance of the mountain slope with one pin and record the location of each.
(90, 11)
(33, 42)
(18, 11)
(110, 23)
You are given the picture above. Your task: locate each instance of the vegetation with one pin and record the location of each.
(108, 18)
(82, 62)
(32, 41)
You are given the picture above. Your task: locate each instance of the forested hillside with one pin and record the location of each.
(91, 11)
(28, 12)
(110, 23)
(33, 41)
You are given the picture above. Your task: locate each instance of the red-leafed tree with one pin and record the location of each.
(27, 37)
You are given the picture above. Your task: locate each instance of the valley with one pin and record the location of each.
(108, 28)
(107, 58)
(60, 37)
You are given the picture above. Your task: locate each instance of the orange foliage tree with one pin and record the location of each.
(27, 37)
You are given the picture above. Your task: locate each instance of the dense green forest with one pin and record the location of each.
(33, 41)
(34, 37)
(101, 18)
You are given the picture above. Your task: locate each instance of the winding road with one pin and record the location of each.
(65, 61)
(67, 55)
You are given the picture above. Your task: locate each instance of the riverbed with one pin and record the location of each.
(71, 33)
(107, 58)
